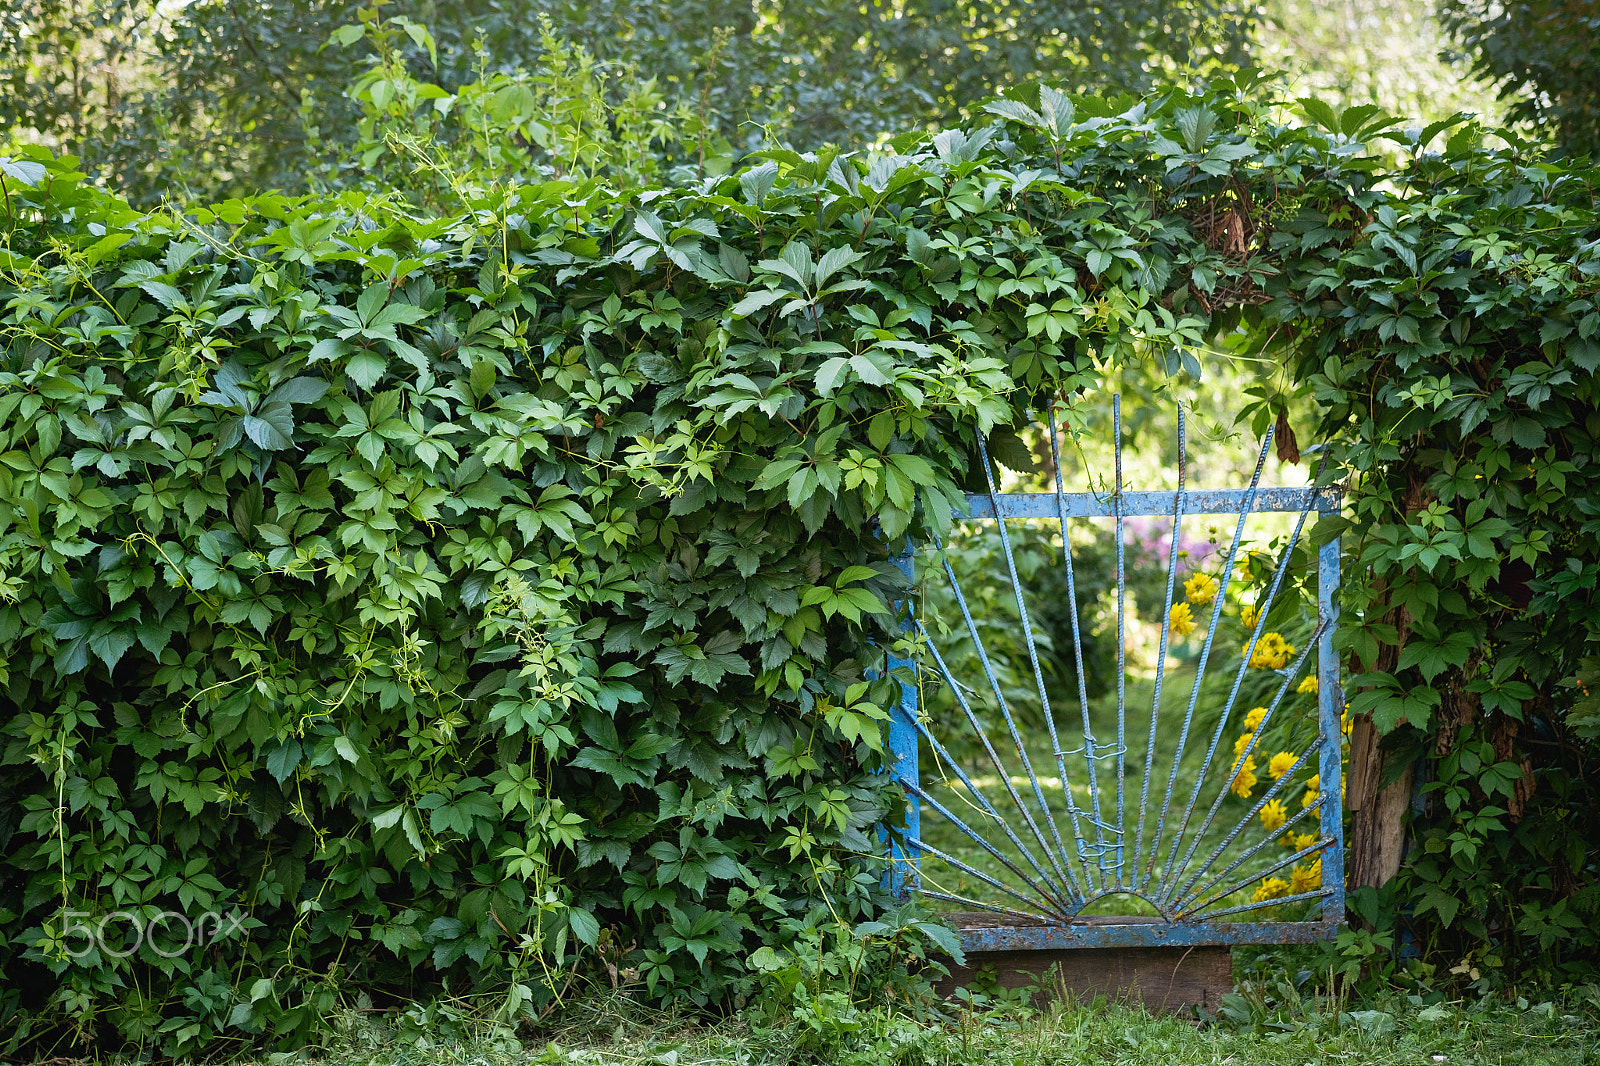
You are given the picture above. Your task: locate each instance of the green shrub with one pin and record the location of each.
(494, 599)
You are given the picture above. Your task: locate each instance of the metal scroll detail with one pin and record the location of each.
(1117, 823)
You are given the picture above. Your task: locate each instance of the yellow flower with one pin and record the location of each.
(1308, 685)
(1240, 744)
(1201, 589)
(1297, 841)
(1272, 652)
(1253, 720)
(1246, 779)
(1280, 764)
(1249, 614)
(1271, 888)
(1181, 621)
(1313, 786)
(1273, 815)
(1306, 878)
(1346, 720)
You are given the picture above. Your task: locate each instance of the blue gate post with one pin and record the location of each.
(902, 876)
(1330, 716)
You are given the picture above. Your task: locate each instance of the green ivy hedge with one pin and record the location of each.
(477, 601)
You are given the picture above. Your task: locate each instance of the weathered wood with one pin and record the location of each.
(1377, 815)
(1375, 843)
(1161, 979)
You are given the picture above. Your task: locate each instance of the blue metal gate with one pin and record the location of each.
(1114, 830)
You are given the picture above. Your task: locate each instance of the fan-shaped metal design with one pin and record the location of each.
(1154, 822)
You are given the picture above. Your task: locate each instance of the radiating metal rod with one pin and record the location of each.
(979, 874)
(1077, 652)
(1205, 656)
(1056, 856)
(1263, 609)
(1038, 674)
(979, 904)
(1161, 656)
(1174, 873)
(1122, 644)
(1187, 905)
(1267, 797)
(1154, 503)
(1045, 901)
(1060, 889)
(1280, 901)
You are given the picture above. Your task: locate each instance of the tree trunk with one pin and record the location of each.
(1377, 816)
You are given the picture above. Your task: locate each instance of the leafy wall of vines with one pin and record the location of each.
(476, 598)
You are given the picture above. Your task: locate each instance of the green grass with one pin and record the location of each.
(1399, 1031)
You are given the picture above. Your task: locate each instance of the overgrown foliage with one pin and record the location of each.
(495, 596)
(1461, 375)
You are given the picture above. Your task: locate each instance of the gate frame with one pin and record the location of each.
(1108, 931)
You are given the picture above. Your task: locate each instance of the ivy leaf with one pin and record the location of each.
(943, 938)
(365, 368)
(1433, 658)
(835, 260)
(298, 390)
(621, 769)
(1057, 109)
(282, 760)
(24, 170)
(1527, 433)
(831, 373)
(755, 301)
(871, 369)
(111, 644)
(585, 926)
(1439, 901)
(329, 348)
(482, 377)
(1319, 112)
(397, 314)
(388, 819)
(1017, 112)
(73, 655)
(1195, 126)
(757, 182)
(271, 428)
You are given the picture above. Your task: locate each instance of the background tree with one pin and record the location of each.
(1545, 57)
(206, 98)
(1384, 52)
(225, 95)
(66, 65)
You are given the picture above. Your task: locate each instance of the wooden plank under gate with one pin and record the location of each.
(1168, 980)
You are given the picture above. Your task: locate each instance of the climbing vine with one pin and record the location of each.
(493, 595)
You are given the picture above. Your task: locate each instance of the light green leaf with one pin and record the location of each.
(24, 170)
(365, 368)
(329, 348)
(1320, 113)
(1017, 112)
